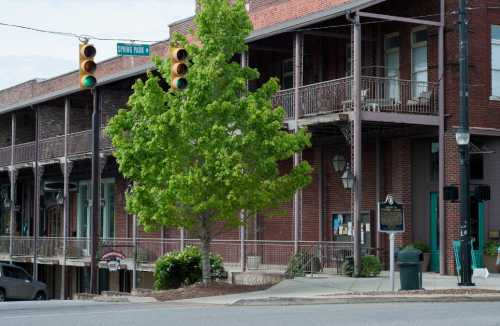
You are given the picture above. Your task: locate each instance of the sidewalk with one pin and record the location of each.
(340, 289)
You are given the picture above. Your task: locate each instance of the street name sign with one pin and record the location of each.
(133, 50)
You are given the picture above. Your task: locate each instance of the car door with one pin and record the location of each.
(13, 285)
(25, 284)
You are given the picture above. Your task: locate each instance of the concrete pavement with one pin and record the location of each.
(327, 286)
(106, 314)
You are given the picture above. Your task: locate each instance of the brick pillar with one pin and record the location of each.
(401, 185)
(452, 210)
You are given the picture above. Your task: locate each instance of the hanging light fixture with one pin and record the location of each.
(338, 163)
(59, 198)
(347, 178)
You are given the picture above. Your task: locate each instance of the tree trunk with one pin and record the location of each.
(205, 260)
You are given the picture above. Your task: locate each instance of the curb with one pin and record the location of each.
(125, 299)
(365, 299)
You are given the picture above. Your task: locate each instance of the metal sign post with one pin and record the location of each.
(391, 221)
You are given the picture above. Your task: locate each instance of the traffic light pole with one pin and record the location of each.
(96, 207)
(465, 225)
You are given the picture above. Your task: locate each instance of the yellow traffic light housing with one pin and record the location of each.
(179, 68)
(87, 66)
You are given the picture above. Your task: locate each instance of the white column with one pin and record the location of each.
(12, 175)
(297, 157)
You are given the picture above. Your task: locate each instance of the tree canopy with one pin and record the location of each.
(198, 157)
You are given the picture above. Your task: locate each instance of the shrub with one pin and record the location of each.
(370, 266)
(301, 263)
(179, 268)
(420, 245)
(491, 248)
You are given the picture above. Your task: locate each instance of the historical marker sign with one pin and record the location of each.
(391, 216)
(134, 50)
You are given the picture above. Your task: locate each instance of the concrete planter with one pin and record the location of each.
(253, 262)
(490, 262)
(426, 262)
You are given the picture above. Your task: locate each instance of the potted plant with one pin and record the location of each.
(490, 256)
(426, 251)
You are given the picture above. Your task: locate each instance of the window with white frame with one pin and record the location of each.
(419, 67)
(495, 60)
(107, 222)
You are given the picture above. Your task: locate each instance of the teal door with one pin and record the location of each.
(434, 231)
(477, 231)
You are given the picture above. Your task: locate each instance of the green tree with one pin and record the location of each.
(200, 156)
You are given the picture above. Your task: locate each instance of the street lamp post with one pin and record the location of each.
(463, 140)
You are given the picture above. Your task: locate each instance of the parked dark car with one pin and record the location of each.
(17, 284)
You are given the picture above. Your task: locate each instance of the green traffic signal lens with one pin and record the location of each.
(181, 83)
(89, 81)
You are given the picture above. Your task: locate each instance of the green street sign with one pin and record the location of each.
(132, 49)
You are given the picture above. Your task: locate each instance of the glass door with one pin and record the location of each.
(391, 47)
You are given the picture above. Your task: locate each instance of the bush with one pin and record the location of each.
(300, 263)
(370, 266)
(179, 268)
(491, 248)
(420, 245)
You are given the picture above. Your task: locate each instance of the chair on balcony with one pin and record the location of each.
(423, 100)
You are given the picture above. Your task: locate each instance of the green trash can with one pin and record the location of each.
(410, 273)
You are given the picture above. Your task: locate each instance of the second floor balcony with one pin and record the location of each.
(378, 94)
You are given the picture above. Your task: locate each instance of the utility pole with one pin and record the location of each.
(463, 141)
(96, 182)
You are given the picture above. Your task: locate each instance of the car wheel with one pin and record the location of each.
(2, 295)
(40, 296)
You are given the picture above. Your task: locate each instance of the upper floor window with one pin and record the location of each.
(495, 60)
(391, 53)
(287, 74)
(419, 70)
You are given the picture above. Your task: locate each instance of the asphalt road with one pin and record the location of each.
(57, 313)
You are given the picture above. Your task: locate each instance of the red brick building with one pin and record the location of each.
(374, 81)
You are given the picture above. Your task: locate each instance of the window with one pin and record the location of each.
(419, 73)
(391, 50)
(14, 272)
(495, 60)
(107, 222)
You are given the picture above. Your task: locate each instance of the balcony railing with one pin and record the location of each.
(259, 254)
(52, 148)
(378, 94)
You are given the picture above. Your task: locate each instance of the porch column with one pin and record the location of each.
(244, 63)
(379, 187)
(13, 177)
(134, 240)
(38, 172)
(297, 157)
(66, 167)
(96, 191)
(442, 219)
(357, 144)
(182, 236)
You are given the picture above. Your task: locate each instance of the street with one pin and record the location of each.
(110, 314)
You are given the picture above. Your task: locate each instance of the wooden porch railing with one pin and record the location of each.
(53, 147)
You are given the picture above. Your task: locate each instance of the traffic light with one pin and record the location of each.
(179, 68)
(87, 66)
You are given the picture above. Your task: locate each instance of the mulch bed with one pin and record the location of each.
(198, 291)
